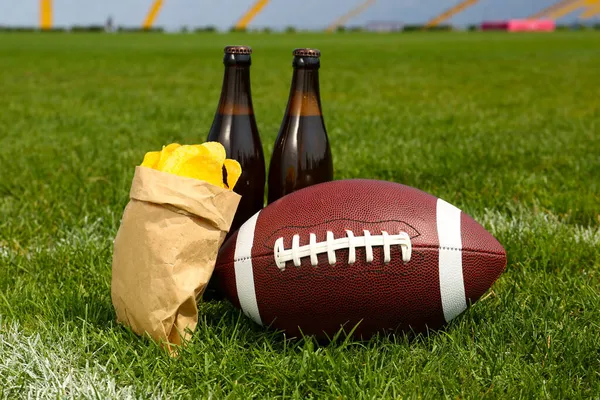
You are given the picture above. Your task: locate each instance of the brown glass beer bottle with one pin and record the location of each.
(235, 128)
(301, 156)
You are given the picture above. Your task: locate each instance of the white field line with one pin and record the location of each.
(526, 223)
(4, 252)
(32, 368)
(87, 236)
(89, 233)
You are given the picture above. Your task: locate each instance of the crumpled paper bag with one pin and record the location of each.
(165, 252)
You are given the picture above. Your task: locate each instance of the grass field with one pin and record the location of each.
(506, 127)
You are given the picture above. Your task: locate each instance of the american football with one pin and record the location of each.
(363, 255)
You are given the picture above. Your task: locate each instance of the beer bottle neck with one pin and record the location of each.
(305, 97)
(236, 98)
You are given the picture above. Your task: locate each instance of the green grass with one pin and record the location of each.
(506, 127)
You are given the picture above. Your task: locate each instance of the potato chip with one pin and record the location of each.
(234, 170)
(203, 167)
(205, 162)
(180, 156)
(165, 153)
(151, 159)
(216, 150)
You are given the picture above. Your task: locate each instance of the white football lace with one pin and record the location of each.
(350, 242)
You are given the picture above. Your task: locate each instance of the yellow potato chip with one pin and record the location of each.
(203, 162)
(234, 170)
(202, 167)
(151, 159)
(175, 161)
(165, 153)
(217, 151)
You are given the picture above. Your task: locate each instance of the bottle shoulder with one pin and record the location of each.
(306, 126)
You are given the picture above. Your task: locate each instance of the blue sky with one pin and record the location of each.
(309, 14)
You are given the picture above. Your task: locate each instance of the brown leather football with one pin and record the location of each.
(375, 255)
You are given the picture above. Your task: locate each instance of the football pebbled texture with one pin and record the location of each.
(372, 255)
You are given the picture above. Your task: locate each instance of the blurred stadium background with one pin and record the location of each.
(178, 15)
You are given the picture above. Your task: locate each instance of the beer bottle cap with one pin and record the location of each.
(307, 53)
(238, 50)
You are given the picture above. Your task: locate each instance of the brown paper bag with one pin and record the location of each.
(165, 251)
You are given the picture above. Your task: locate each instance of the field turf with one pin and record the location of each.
(506, 127)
